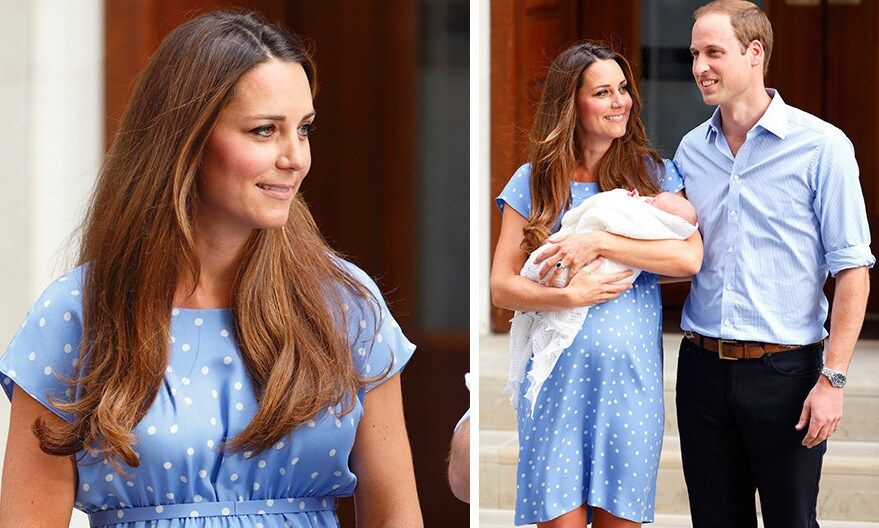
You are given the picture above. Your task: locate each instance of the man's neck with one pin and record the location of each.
(740, 116)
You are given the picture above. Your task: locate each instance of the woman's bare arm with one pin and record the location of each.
(385, 496)
(512, 291)
(38, 489)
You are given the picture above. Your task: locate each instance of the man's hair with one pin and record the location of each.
(748, 21)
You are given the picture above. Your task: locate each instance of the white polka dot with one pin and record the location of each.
(32, 356)
(282, 471)
(302, 505)
(262, 464)
(202, 473)
(198, 321)
(160, 508)
(185, 380)
(193, 513)
(227, 360)
(256, 486)
(361, 351)
(337, 473)
(108, 477)
(166, 465)
(210, 443)
(151, 430)
(225, 511)
(237, 385)
(174, 428)
(74, 293)
(314, 475)
(270, 502)
(47, 371)
(197, 498)
(86, 487)
(205, 370)
(185, 347)
(68, 348)
(11, 374)
(224, 333)
(239, 406)
(233, 477)
(213, 421)
(67, 316)
(332, 452)
(279, 445)
(120, 514)
(190, 451)
(215, 394)
(42, 321)
(294, 461)
(184, 480)
(248, 454)
(362, 324)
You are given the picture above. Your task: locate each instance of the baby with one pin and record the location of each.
(665, 201)
(543, 336)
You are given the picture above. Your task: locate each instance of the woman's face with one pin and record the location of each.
(258, 152)
(603, 103)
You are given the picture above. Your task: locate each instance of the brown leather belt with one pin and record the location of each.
(733, 350)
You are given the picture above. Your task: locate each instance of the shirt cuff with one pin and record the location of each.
(849, 257)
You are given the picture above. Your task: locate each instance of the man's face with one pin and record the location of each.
(722, 72)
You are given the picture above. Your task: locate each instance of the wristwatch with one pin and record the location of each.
(837, 379)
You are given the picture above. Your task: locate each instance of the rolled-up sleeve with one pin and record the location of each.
(839, 207)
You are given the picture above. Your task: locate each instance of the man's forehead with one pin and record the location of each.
(713, 30)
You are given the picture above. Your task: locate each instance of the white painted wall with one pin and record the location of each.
(481, 69)
(51, 141)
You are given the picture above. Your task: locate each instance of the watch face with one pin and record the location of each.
(837, 380)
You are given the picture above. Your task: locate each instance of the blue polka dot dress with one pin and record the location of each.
(596, 433)
(184, 480)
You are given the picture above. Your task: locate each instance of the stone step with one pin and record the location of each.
(504, 519)
(860, 420)
(849, 487)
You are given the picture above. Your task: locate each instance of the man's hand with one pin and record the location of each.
(822, 410)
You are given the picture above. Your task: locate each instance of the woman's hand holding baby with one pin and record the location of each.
(588, 288)
(570, 252)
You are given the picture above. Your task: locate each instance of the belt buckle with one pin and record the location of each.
(720, 343)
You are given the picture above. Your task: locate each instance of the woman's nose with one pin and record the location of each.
(295, 155)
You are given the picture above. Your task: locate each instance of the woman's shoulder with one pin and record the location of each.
(65, 290)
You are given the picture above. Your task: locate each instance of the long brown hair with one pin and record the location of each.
(554, 152)
(138, 245)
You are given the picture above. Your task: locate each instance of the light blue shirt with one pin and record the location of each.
(775, 219)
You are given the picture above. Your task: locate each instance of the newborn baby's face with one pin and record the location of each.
(674, 204)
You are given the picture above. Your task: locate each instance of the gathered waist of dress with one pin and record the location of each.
(212, 509)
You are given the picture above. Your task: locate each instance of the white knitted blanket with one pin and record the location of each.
(544, 335)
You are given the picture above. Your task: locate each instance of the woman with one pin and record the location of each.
(226, 355)
(591, 449)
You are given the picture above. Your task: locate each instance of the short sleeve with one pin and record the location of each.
(376, 339)
(44, 351)
(517, 192)
(671, 177)
(839, 206)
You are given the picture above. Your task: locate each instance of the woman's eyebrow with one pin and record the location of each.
(269, 117)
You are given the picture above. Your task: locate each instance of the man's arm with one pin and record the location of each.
(822, 409)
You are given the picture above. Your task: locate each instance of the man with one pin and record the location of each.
(780, 206)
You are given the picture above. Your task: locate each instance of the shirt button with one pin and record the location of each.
(733, 213)
(728, 322)
(735, 177)
(729, 249)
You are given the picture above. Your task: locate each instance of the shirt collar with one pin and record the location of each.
(773, 120)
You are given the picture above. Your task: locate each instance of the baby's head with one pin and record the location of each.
(674, 204)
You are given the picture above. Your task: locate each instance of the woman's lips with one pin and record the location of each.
(281, 192)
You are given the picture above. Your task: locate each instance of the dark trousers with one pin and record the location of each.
(736, 421)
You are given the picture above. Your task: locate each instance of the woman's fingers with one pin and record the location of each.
(592, 266)
(557, 237)
(548, 252)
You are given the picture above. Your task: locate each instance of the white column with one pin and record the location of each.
(51, 142)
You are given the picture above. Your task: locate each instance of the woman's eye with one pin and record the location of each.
(602, 92)
(264, 131)
(307, 129)
(624, 89)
